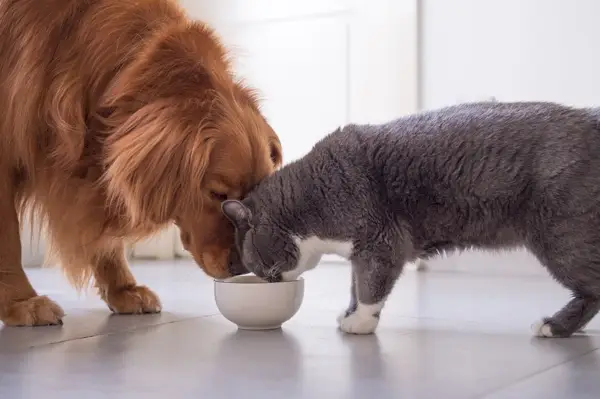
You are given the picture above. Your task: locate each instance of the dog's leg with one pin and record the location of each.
(117, 286)
(19, 303)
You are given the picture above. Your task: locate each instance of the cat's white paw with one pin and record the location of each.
(341, 317)
(357, 323)
(542, 329)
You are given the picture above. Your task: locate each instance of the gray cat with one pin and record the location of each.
(485, 175)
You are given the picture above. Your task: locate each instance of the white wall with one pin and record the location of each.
(33, 245)
(510, 49)
(317, 64)
(320, 63)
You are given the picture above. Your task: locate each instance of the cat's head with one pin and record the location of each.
(263, 247)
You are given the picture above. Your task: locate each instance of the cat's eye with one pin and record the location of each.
(217, 196)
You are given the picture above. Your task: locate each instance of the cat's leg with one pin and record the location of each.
(353, 303)
(419, 265)
(573, 259)
(372, 280)
(573, 317)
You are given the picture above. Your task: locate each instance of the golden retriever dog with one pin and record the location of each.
(117, 118)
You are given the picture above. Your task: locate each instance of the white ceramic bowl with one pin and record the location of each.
(254, 304)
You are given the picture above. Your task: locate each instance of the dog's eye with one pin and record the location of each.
(218, 196)
(275, 155)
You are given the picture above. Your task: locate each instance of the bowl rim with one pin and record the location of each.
(222, 281)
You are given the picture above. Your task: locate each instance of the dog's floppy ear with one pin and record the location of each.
(155, 163)
(238, 213)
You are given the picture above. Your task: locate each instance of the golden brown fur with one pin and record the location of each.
(117, 118)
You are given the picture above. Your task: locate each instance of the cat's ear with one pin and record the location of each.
(238, 213)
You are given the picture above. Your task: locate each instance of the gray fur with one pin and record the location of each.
(484, 175)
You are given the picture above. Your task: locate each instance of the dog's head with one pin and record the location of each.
(183, 137)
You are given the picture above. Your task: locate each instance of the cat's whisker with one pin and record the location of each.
(276, 270)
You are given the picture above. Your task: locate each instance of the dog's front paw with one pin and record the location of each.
(133, 300)
(36, 311)
(357, 322)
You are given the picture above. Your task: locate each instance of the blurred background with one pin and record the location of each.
(319, 64)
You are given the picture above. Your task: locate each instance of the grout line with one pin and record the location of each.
(534, 374)
(126, 331)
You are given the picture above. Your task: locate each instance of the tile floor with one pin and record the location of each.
(443, 335)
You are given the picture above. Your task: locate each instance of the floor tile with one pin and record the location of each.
(442, 335)
(575, 379)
